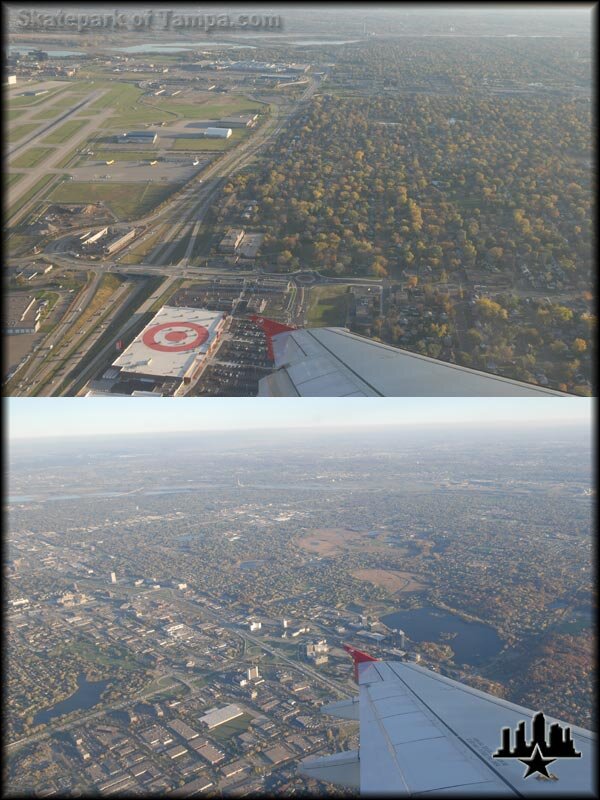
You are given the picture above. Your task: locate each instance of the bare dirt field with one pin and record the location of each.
(392, 580)
(334, 541)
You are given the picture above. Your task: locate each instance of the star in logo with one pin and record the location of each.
(536, 763)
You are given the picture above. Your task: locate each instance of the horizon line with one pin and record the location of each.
(487, 424)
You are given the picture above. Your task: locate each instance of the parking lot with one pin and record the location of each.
(239, 364)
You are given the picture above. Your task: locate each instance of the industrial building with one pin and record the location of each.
(219, 716)
(170, 350)
(119, 243)
(95, 237)
(23, 314)
(218, 133)
(238, 121)
(11, 80)
(138, 137)
(231, 241)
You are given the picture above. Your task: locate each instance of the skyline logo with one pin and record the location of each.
(538, 753)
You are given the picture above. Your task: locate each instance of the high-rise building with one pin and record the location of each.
(113, 577)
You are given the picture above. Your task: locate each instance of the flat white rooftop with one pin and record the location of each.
(332, 362)
(171, 342)
(219, 716)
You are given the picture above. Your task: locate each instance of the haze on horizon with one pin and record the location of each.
(40, 418)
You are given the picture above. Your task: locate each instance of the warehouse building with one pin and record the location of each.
(95, 237)
(23, 314)
(138, 137)
(219, 716)
(238, 121)
(170, 351)
(119, 243)
(218, 133)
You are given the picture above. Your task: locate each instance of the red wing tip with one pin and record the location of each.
(358, 656)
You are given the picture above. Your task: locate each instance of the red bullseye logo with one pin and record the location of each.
(175, 337)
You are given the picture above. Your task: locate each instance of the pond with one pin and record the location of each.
(473, 643)
(88, 694)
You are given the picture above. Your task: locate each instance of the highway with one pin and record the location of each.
(186, 212)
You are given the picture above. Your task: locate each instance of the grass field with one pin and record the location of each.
(32, 156)
(130, 108)
(65, 132)
(14, 113)
(62, 104)
(126, 200)
(211, 109)
(18, 205)
(26, 102)
(203, 143)
(328, 306)
(19, 131)
(12, 177)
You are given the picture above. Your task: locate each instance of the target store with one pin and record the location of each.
(171, 349)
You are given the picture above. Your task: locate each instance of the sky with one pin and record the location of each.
(38, 417)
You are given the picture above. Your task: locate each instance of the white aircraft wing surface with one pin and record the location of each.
(333, 362)
(424, 734)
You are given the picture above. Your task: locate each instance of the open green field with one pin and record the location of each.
(66, 101)
(328, 306)
(224, 107)
(19, 131)
(13, 113)
(203, 145)
(18, 205)
(65, 131)
(130, 108)
(32, 156)
(127, 201)
(12, 177)
(20, 101)
(89, 652)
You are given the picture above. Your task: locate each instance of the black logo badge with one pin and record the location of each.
(538, 753)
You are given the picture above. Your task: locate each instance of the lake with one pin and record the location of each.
(87, 695)
(25, 48)
(176, 47)
(474, 643)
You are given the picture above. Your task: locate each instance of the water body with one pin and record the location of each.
(177, 47)
(474, 643)
(87, 696)
(23, 49)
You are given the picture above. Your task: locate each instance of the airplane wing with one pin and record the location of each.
(333, 362)
(424, 734)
